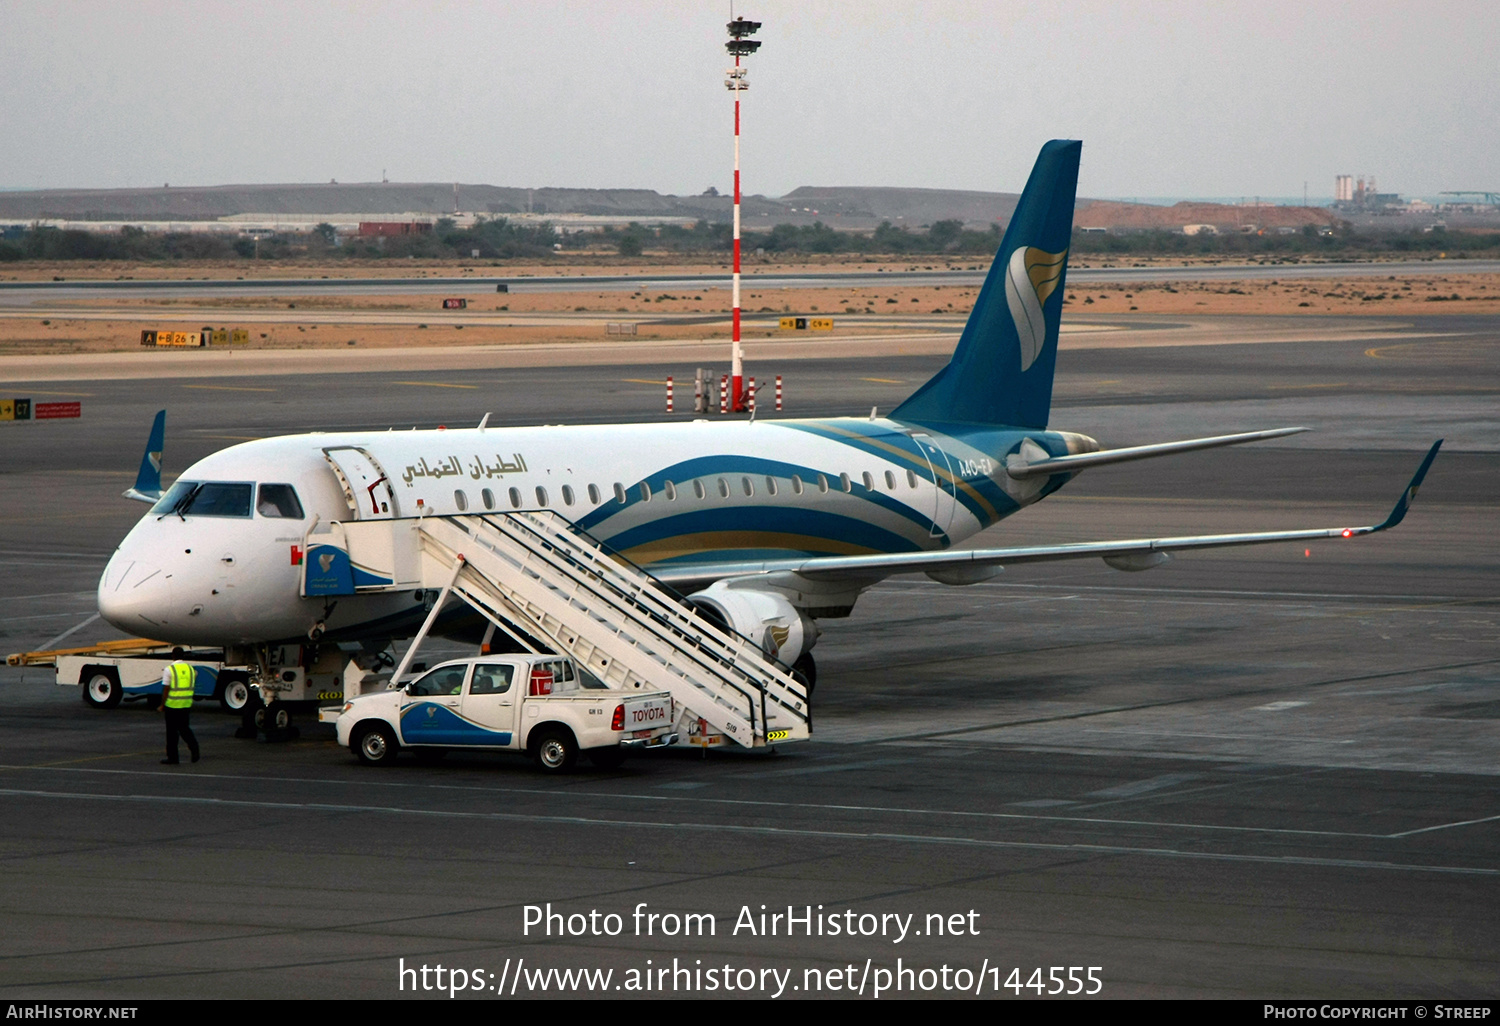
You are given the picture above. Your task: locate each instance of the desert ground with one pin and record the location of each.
(296, 319)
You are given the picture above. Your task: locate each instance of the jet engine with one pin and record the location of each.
(765, 617)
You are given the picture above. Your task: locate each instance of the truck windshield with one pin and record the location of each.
(205, 499)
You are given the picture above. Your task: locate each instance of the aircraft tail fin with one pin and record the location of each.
(147, 486)
(1001, 371)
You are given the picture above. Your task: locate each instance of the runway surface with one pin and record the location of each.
(1259, 773)
(19, 292)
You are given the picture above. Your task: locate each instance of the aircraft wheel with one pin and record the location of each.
(807, 670)
(555, 751)
(235, 695)
(276, 717)
(608, 758)
(376, 746)
(101, 688)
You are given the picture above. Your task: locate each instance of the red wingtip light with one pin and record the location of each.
(1348, 533)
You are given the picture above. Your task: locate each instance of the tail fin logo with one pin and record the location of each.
(1031, 276)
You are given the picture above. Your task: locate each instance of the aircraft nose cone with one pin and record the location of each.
(135, 596)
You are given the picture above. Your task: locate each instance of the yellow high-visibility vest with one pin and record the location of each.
(180, 690)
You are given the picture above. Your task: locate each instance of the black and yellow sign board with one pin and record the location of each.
(807, 324)
(196, 339)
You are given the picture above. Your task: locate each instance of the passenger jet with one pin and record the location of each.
(766, 525)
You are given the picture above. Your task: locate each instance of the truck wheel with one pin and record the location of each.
(235, 696)
(376, 746)
(555, 751)
(607, 758)
(101, 687)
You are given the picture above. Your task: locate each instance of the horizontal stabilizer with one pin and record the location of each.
(1017, 465)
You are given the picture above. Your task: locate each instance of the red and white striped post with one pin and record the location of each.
(750, 395)
(669, 393)
(739, 46)
(778, 393)
(723, 394)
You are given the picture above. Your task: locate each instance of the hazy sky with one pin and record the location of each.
(1170, 98)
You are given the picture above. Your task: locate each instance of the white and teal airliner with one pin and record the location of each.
(759, 522)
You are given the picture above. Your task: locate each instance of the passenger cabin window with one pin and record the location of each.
(567, 491)
(890, 481)
(488, 497)
(796, 485)
(206, 499)
(770, 485)
(698, 489)
(491, 679)
(645, 492)
(823, 482)
(445, 680)
(723, 488)
(911, 479)
(594, 494)
(670, 489)
(619, 493)
(460, 499)
(515, 498)
(278, 500)
(541, 496)
(846, 484)
(748, 487)
(869, 481)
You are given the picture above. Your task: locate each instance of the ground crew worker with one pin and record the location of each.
(178, 681)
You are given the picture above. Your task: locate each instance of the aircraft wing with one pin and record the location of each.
(1127, 554)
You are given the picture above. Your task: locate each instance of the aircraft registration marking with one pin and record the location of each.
(975, 467)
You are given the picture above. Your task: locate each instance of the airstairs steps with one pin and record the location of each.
(534, 573)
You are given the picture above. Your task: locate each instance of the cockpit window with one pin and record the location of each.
(278, 500)
(168, 502)
(206, 499)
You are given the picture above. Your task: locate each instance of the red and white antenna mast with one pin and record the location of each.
(740, 46)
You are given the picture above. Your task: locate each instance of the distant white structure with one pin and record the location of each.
(1343, 188)
(1199, 229)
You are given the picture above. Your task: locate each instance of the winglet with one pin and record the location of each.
(1407, 497)
(148, 480)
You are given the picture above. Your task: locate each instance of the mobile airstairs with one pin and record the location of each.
(540, 580)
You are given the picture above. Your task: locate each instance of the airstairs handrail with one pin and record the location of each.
(680, 606)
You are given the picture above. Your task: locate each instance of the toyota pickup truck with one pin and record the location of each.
(540, 705)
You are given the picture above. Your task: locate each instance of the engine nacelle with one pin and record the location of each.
(765, 617)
